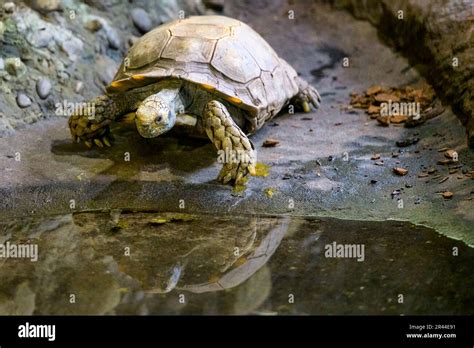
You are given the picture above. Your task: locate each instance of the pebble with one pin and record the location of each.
(141, 20)
(23, 100)
(407, 142)
(15, 66)
(131, 40)
(114, 39)
(43, 88)
(9, 7)
(46, 5)
(78, 87)
(93, 25)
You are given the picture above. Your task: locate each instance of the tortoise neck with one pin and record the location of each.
(168, 92)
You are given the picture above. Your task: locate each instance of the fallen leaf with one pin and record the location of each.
(373, 90)
(400, 171)
(373, 109)
(398, 119)
(450, 154)
(448, 195)
(386, 97)
(270, 142)
(384, 120)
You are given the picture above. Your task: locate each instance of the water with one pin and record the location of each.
(122, 262)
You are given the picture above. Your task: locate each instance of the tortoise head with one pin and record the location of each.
(154, 117)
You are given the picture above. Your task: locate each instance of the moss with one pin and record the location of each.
(262, 169)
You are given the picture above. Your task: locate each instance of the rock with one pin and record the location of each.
(9, 7)
(45, 6)
(14, 66)
(72, 46)
(93, 25)
(106, 69)
(407, 142)
(131, 40)
(79, 86)
(40, 34)
(141, 20)
(23, 100)
(444, 38)
(43, 88)
(113, 38)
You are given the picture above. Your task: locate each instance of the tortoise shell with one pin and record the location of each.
(217, 53)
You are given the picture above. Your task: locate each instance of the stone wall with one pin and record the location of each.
(66, 51)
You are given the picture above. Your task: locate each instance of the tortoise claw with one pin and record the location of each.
(88, 143)
(252, 170)
(306, 107)
(106, 141)
(98, 143)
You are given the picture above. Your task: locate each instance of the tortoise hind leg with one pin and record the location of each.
(307, 95)
(238, 153)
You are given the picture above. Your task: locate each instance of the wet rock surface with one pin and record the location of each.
(436, 34)
(321, 166)
(123, 262)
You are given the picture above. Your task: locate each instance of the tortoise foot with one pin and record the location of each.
(235, 151)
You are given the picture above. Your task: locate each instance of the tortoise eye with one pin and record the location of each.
(159, 119)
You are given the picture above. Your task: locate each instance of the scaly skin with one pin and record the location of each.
(227, 136)
(94, 129)
(307, 95)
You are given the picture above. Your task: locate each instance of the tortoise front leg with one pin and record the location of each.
(92, 125)
(307, 95)
(232, 143)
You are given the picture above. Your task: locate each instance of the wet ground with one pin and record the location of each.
(309, 176)
(308, 173)
(125, 262)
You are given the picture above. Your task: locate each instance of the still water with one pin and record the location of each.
(123, 262)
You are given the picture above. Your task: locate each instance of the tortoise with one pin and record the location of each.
(214, 74)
